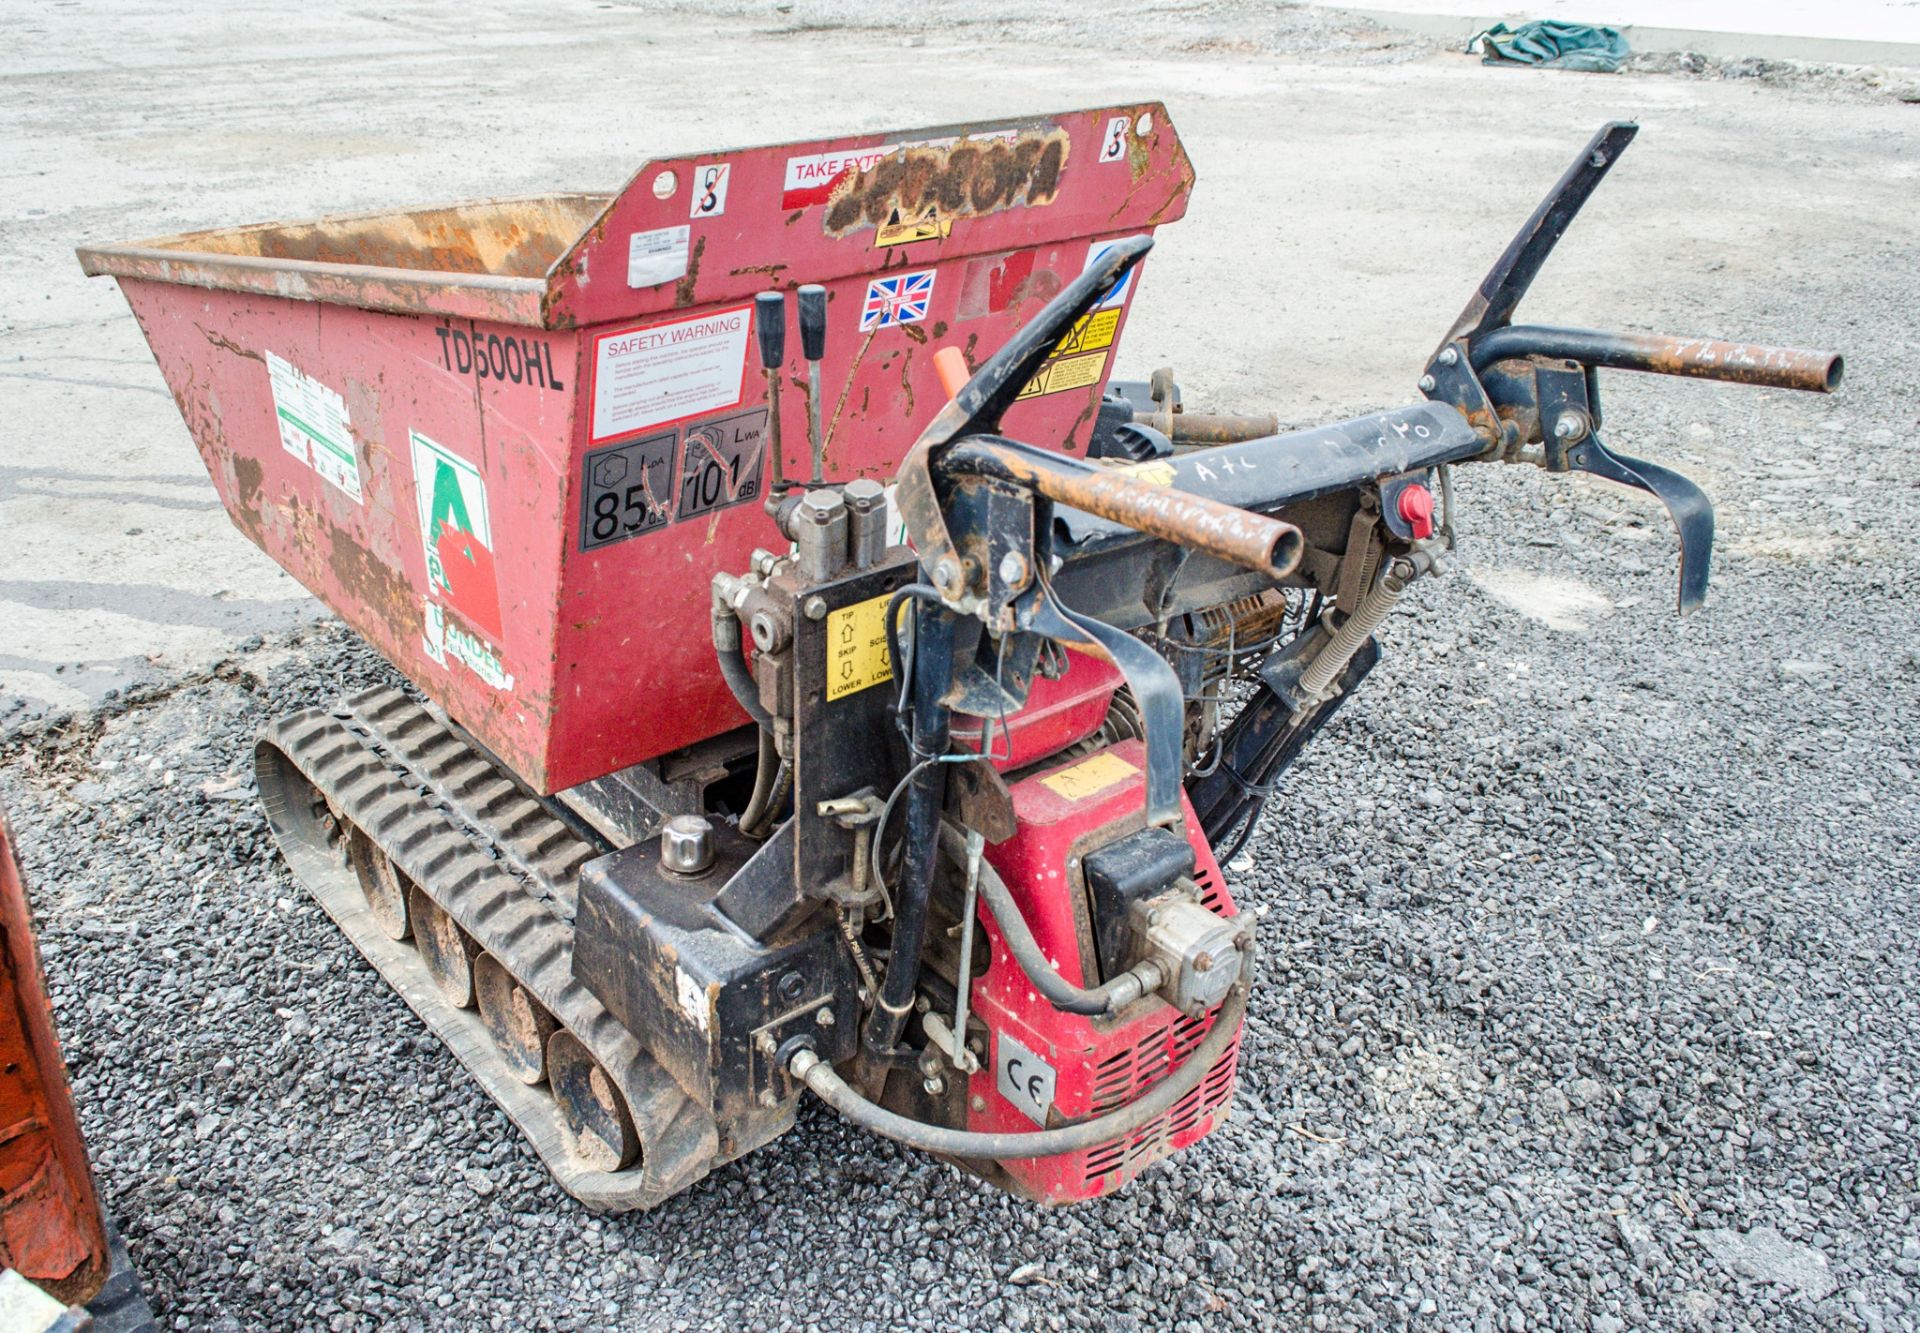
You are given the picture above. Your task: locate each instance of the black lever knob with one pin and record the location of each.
(813, 321)
(770, 328)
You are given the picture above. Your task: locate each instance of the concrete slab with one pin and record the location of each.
(1352, 191)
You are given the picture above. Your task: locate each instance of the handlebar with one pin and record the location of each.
(1136, 498)
(1695, 358)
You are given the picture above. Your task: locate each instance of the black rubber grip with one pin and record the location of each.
(770, 328)
(813, 321)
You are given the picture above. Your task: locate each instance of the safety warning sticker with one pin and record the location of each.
(710, 189)
(313, 425)
(647, 377)
(857, 647)
(1089, 776)
(721, 463)
(1068, 372)
(905, 228)
(654, 257)
(626, 490)
(1089, 333)
(810, 179)
(456, 536)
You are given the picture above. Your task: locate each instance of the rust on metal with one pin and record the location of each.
(50, 1228)
(938, 183)
(1799, 368)
(1212, 428)
(485, 260)
(1137, 498)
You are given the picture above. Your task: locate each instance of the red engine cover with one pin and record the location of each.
(1058, 713)
(1097, 1066)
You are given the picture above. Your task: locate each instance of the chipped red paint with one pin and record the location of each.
(475, 327)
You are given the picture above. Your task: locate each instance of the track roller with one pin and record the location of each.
(446, 950)
(599, 1130)
(459, 889)
(383, 883)
(519, 1024)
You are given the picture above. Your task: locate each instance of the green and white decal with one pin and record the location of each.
(313, 425)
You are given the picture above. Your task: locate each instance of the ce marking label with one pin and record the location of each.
(1023, 1078)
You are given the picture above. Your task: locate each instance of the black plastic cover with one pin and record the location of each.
(1120, 874)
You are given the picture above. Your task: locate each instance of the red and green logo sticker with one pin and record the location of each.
(456, 536)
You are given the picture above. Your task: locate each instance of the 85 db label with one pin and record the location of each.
(627, 489)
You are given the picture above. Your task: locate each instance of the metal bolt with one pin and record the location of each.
(1569, 426)
(768, 1098)
(766, 1044)
(816, 608)
(765, 630)
(686, 845)
(978, 1103)
(1449, 356)
(1427, 383)
(1203, 963)
(791, 987)
(824, 1018)
(945, 575)
(1013, 569)
(822, 506)
(865, 495)
(933, 1085)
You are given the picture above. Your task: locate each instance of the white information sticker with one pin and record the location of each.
(1023, 1078)
(643, 377)
(654, 257)
(313, 425)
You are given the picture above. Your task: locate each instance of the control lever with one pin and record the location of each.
(770, 331)
(813, 346)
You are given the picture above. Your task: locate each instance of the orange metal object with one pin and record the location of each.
(50, 1228)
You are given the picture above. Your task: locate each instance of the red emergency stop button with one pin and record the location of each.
(1416, 506)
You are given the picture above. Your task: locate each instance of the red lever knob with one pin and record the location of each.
(1416, 506)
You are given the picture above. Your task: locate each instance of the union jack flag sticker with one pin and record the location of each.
(902, 299)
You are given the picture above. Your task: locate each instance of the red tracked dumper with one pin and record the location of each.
(866, 712)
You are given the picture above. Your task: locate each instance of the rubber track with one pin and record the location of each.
(505, 869)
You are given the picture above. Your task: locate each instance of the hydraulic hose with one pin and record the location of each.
(765, 772)
(1062, 994)
(733, 666)
(825, 1084)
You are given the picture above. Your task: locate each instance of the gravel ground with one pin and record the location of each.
(1591, 1005)
(1589, 1002)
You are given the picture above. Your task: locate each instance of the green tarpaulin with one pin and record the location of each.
(1553, 45)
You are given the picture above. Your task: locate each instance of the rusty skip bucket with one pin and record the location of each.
(510, 442)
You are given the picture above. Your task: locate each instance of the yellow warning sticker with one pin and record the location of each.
(1078, 781)
(898, 230)
(1069, 372)
(857, 647)
(1090, 333)
(1156, 473)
